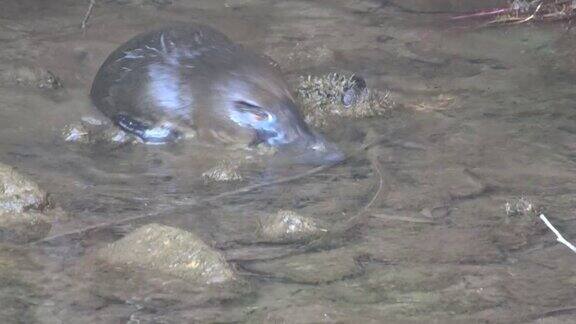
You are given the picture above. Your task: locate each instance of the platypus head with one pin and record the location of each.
(259, 99)
(280, 124)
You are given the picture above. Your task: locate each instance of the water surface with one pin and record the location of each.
(487, 116)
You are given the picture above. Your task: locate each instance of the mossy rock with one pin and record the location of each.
(334, 95)
(287, 226)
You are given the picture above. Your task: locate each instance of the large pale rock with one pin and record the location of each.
(170, 251)
(22, 205)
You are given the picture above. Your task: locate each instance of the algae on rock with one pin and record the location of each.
(343, 95)
(22, 204)
(18, 193)
(223, 171)
(29, 76)
(288, 226)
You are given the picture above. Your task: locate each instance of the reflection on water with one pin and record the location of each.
(487, 117)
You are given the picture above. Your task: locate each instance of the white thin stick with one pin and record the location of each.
(87, 15)
(559, 236)
(532, 16)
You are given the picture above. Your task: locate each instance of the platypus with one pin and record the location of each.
(183, 79)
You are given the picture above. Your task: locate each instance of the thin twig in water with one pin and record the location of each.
(163, 209)
(491, 12)
(558, 312)
(357, 218)
(527, 11)
(87, 15)
(531, 16)
(407, 219)
(559, 236)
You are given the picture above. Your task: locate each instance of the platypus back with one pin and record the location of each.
(164, 83)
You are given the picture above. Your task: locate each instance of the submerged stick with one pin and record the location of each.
(531, 16)
(340, 229)
(87, 15)
(242, 190)
(536, 10)
(559, 236)
(491, 12)
(407, 219)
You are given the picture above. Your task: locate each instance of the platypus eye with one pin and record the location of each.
(256, 111)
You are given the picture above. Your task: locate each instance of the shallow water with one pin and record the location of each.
(486, 117)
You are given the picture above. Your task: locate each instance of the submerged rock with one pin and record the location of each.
(23, 207)
(76, 133)
(18, 193)
(520, 226)
(311, 268)
(170, 251)
(287, 226)
(24, 227)
(91, 130)
(340, 95)
(33, 77)
(224, 171)
(520, 207)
